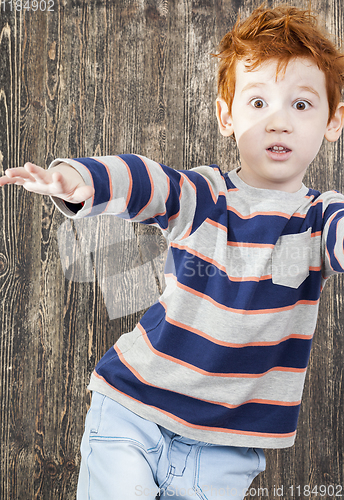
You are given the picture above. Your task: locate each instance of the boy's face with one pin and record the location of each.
(279, 124)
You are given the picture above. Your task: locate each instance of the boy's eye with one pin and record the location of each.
(258, 103)
(301, 105)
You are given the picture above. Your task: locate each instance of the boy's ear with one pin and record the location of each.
(334, 128)
(223, 117)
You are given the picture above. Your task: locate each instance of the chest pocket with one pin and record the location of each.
(291, 259)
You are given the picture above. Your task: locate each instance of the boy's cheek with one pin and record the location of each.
(249, 137)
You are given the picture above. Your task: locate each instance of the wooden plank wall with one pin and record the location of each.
(92, 77)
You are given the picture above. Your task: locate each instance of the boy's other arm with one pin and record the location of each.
(61, 181)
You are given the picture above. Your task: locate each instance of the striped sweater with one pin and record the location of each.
(222, 355)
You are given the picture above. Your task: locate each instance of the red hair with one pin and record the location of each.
(282, 33)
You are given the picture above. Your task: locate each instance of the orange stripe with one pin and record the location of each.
(187, 233)
(327, 252)
(216, 224)
(200, 255)
(317, 233)
(339, 260)
(130, 183)
(181, 182)
(185, 177)
(219, 403)
(231, 344)
(174, 216)
(168, 184)
(254, 214)
(211, 374)
(130, 368)
(250, 278)
(244, 311)
(318, 200)
(219, 266)
(194, 426)
(170, 275)
(210, 188)
(152, 187)
(253, 245)
(235, 278)
(315, 268)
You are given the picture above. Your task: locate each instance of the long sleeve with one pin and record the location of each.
(332, 233)
(141, 190)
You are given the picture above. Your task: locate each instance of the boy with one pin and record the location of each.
(183, 405)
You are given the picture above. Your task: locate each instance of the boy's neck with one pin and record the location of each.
(292, 187)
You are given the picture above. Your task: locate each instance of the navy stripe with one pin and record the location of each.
(314, 193)
(314, 219)
(204, 199)
(332, 209)
(172, 202)
(101, 184)
(141, 189)
(254, 417)
(332, 236)
(206, 355)
(331, 241)
(250, 230)
(206, 278)
(297, 225)
(229, 183)
(219, 211)
(153, 317)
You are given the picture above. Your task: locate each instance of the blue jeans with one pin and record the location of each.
(125, 457)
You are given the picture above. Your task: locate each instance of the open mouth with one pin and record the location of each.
(279, 149)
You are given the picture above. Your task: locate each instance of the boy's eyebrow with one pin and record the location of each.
(252, 85)
(306, 88)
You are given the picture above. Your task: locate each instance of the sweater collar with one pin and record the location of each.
(265, 193)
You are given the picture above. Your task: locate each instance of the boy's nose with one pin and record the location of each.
(279, 122)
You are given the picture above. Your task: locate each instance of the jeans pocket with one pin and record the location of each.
(261, 459)
(95, 412)
(291, 258)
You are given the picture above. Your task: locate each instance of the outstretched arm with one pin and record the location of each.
(62, 181)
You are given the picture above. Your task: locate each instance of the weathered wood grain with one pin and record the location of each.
(97, 78)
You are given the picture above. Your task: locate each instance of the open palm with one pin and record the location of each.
(61, 181)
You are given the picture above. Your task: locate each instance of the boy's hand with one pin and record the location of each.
(62, 181)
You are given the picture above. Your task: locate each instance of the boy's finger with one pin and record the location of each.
(5, 180)
(11, 180)
(58, 179)
(38, 173)
(18, 172)
(32, 167)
